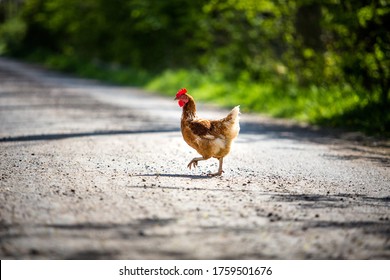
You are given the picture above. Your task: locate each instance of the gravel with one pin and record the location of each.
(95, 171)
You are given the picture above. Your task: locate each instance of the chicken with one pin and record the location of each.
(210, 138)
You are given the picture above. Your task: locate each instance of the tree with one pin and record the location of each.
(359, 36)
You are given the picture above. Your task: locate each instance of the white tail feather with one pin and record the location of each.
(235, 112)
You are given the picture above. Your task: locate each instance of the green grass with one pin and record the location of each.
(332, 106)
(327, 106)
(111, 73)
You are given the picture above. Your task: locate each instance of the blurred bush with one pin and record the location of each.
(320, 51)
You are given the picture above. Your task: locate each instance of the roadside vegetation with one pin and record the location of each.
(322, 62)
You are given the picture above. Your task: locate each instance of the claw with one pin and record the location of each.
(215, 174)
(193, 163)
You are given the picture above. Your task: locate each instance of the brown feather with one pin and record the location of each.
(200, 127)
(210, 138)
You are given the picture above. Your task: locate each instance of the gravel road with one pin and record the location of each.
(95, 171)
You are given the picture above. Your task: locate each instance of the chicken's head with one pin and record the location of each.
(182, 97)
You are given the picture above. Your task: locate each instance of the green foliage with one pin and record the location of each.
(333, 106)
(112, 72)
(358, 35)
(12, 33)
(313, 60)
(12, 27)
(141, 33)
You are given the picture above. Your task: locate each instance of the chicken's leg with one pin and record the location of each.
(194, 162)
(220, 171)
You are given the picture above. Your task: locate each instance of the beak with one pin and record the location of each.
(175, 98)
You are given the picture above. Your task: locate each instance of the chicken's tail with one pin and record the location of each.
(232, 119)
(233, 115)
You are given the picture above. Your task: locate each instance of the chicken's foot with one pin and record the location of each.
(194, 162)
(220, 171)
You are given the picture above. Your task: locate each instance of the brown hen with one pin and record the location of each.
(210, 138)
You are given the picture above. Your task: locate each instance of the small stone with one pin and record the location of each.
(34, 252)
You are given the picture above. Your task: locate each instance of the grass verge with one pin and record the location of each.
(326, 106)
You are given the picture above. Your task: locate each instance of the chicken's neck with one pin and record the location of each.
(189, 110)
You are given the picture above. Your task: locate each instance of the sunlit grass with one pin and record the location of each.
(313, 104)
(334, 106)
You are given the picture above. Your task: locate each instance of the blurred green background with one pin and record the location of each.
(323, 62)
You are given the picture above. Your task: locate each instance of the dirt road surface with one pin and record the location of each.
(94, 171)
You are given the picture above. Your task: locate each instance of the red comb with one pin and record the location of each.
(181, 92)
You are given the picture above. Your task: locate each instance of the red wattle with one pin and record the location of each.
(181, 103)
